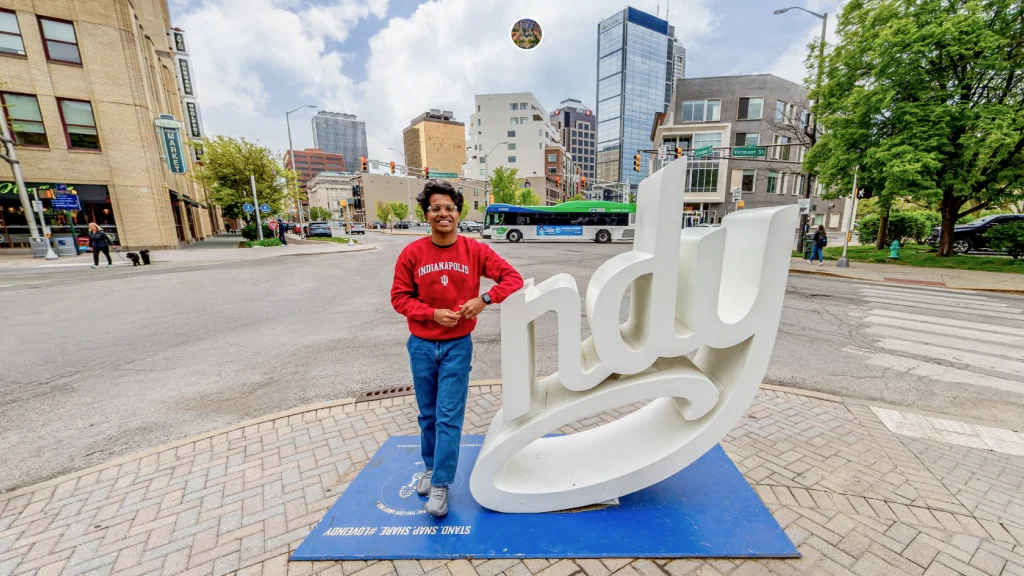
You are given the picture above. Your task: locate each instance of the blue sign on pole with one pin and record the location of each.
(248, 208)
(265, 208)
(65, 202)
(172, 150)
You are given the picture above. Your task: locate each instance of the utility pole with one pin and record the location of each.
(11, 157)
(256, 205)
(844, 262)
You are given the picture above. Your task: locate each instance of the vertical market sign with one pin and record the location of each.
(170, 132)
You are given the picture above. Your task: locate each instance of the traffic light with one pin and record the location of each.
(584, 182)
(365, 164)
(558, 182)
(392, 166)
(490, 199)
(426, 172)
(636, 162)
(679, 153)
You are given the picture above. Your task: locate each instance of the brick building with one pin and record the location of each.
(312, 161)
(84, 85)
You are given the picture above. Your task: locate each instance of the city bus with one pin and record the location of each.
(570, 221)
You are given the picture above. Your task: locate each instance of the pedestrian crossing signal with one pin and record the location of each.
(426, 172)
(636, 163)
(365, 164)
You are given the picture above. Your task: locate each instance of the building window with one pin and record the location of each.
(476, 192)
(513, 120)
(744, 139)
(10, 34)
(701, 110)
(750, 109)
(477, 107)
(511, 133)
(479, 121)
(514, 106)
(523, 106)
(24, 119)
(747, 182)
(780, 151)
(79, 124)
(483, 172)
(552, 170)
(476, 204)
(524, 119)
(798, 184)
(511, 159)
(483, 159)
(511, 146)
(552, 158)
(773, 182)
(59, 40)
(780, 111)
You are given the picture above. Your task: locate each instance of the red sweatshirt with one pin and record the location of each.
(428, 277)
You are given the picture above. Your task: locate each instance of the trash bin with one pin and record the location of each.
(808, 246)
(65, 245)
(38, 247)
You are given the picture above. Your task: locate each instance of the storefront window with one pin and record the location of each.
(94, 200)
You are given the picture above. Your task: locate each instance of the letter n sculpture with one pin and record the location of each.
(704, 312)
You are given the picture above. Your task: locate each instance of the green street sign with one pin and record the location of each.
(443, 174)
(749, 152)
(705, 151)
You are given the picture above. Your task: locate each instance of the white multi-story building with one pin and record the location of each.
(508, 130)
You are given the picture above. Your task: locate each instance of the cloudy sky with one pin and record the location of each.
(388, 61)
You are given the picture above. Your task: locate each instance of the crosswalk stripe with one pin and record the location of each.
(949, 321)
(937, 371)
(944, 293)
(940, 340)
(927, 296)
(946, 309)
(946, 329)
(943, 302)
(915, 288)
(950, 355)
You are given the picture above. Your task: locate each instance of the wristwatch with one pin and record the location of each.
(486, 298)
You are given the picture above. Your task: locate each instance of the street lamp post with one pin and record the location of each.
(408, 174)
(291, 152)
(814, 117)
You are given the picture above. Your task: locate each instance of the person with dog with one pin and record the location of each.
(437, 288)
(100, 242)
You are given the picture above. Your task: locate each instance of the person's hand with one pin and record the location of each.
(446, 317)
(472, 308)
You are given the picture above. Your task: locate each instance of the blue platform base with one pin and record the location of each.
(707, 510)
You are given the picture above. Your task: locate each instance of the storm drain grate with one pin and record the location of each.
(384, 393)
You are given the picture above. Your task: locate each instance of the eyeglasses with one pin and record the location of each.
(435, 209)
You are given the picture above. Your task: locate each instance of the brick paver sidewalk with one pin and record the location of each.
(855, 497)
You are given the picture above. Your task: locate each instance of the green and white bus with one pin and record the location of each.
(570, 221)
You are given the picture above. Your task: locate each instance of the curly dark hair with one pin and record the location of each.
(439, 187)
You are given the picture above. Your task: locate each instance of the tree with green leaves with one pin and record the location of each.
(527, 197)
(465, 210)
(927, 97)
(576, 197)
(319, 213)
(384, 212)
(418, 213)
(229, 163)
(505, 185)
(399, 210)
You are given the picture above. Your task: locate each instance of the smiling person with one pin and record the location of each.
(437, 288)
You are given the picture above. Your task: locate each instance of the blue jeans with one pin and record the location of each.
(440, 375)
(817, 252)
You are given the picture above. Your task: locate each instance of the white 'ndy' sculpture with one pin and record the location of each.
(716, 291)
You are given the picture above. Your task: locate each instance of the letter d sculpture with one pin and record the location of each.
(715, 292)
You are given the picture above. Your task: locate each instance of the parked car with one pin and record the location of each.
(470, 226)
(356, 228)
(971, 236)
(377, 225)
(401, 225)
(319, 229)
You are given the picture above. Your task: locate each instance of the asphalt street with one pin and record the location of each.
(102, 363)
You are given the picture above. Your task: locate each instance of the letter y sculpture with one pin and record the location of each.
(715, 292)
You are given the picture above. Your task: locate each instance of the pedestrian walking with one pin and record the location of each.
(437, 288)
(820, 240)
(280, 233)
(100, 242)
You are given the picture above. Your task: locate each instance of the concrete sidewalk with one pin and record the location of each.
(219, 250)
(860, 490)
(942, 277)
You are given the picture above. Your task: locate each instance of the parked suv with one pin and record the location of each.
(321, 229)
(401, 225)
(470, 226)
(971, 236)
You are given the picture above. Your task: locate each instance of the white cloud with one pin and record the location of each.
(439, 57)
(791, 64)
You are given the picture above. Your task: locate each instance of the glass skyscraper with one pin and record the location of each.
(636, 65)
(340, 134)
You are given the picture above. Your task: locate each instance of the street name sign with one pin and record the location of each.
(434, 174)
(65, 202)
(700, 152)
(749, 152)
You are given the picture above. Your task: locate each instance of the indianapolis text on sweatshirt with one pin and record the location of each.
(430, 277)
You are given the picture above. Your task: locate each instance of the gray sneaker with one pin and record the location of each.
(438, 503)
(423, 488)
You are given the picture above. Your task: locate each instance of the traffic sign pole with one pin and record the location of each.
(259, 223)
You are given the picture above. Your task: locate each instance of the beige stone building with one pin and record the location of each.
(435, 140)
(84, 83)
(353, 197)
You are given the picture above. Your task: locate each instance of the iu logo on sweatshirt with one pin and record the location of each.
(444, 280)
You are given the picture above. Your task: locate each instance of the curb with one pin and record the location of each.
(855, 278)
(284, 414)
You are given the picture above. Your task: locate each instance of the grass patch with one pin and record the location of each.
(924, 257)
(266, 242)
(335, 240)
